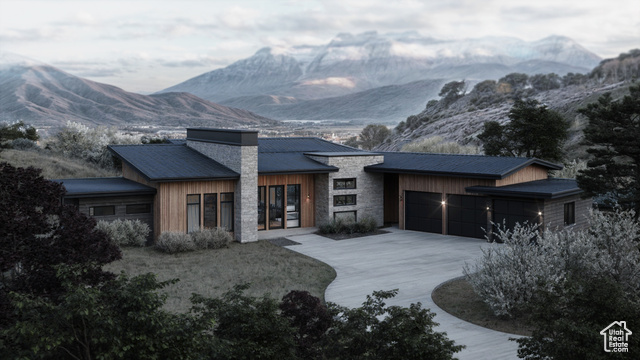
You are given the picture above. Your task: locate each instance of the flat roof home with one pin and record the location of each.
(236, 180)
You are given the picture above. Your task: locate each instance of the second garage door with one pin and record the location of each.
(423, 211)
(466, 216)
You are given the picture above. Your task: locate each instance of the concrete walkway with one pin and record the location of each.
(415, 263)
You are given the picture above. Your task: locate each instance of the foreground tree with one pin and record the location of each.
(534, 131)
(39, 233)
(613, 134)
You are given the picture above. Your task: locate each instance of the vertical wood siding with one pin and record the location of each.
(530, 173)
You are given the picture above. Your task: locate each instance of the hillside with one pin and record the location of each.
(45, 96)
(462, 120)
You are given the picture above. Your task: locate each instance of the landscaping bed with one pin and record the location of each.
(458, 299)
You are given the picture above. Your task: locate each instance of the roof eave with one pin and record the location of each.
(524, 194)
(297, 172)
(109, 194)
(432, 173)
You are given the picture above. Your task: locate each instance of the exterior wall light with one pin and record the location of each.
(539, 213)
(443, 202)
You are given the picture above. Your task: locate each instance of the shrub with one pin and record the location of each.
(24, 144)
(215, 238)
(340, 226)
(175, 242)
(125, 232)
(531, 264)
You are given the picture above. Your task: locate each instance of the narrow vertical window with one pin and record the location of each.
(570, 213)
(193, 213)
(210, 210)
(226, 211)
(293, 206)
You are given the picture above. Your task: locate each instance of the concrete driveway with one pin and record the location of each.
(415, 263)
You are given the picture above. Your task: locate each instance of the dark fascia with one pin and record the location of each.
(341, 153)
(298, 172)
(551, 166)
(223, 136)
(496, 191)
(109, 194)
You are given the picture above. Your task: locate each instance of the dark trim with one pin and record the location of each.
(224, 136)
(298, 172)
(522, 194)
(108, 194)
(382, 169)
(341, 154)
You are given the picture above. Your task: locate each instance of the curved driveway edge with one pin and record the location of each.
(414, 263)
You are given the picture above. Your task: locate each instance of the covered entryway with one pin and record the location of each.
(510, 212)
(467, 215)
(423, 211)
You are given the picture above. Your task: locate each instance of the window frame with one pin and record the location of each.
(204, 210)
(92, 210)
(344, 181)
(345, 196)
(233, 218)
(355, 214)
(199, 216)
(569, 213)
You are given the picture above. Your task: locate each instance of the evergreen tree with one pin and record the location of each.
(534, 131)
(613, 134)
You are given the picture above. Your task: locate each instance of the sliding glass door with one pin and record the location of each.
(262, 207)
(293, 206)
(276, 207)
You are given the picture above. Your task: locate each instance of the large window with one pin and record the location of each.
(293, 206)
(210, 210)
(226, 211)
(102, 210)
(339, 184)
(344, 200)
(570, 213)
(193, 213)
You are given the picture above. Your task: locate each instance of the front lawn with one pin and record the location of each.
(269, 268)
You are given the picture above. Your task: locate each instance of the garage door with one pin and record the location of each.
(466, 215)
(423, 211)
(515, 211)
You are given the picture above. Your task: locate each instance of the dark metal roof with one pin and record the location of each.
(472, 166)
(300, 144)
(342, 154)
(540, 189)
(103, 187)
(289, 163)
(167, 162)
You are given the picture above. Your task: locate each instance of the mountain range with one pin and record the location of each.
(45, 96)
(285, 83)
(369, 77)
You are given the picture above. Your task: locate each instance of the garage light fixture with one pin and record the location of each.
(443, 202)
(539, 213)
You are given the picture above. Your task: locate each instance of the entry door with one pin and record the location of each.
(276, 207)
(423, 211)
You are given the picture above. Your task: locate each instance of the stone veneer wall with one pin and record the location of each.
(369, 187)
(243, 160)
(554, 212)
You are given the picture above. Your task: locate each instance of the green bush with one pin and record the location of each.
(125, 232)
(172, 242)
(215, 238)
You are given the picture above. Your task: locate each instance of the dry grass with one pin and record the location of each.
(53, 167)
(458, 299)
(269, 268)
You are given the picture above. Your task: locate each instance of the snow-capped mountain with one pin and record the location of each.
(43, 95)
(353, 63)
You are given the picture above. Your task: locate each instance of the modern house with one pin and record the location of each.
(233, 179)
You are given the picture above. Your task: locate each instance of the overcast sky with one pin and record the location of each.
(145, 46)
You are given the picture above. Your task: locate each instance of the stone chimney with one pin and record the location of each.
(237, 150)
